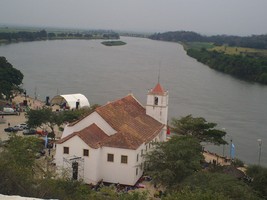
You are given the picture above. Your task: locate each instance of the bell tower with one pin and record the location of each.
(157, 104)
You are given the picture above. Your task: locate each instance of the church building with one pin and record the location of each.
(109, 144)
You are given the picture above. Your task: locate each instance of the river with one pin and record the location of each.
(104, 73)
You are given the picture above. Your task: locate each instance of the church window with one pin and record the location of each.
(86, 152)
(110, 157)
(66, 150)
(136, 171)
(156, 101)
(137, 157)
(124, 159)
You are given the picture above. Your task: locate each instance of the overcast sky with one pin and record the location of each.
(235, 17)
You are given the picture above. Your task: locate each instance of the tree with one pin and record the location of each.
(45, 117)
(42, 118)
(17, 165)
(10, 79)
(198, 127)
(172, 161)
(62, 189)
(110, 193)
(22, 174)
(229, 186)
(187, 194)
(259, 182)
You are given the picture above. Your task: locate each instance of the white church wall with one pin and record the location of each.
(117, 172)
(90, 165)
(87, 121)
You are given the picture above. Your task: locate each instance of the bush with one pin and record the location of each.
(238, 163)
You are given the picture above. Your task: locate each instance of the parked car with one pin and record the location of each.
(29, 132)
(8, 110)
(10, 129)
(23, 126)
(18, 128)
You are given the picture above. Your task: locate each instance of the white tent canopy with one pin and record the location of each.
(70, 100)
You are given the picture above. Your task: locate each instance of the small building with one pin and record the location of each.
(70, 101)
(109, 144)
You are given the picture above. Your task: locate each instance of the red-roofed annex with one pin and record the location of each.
(109, 143)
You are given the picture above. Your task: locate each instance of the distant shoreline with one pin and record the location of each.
(13, 35)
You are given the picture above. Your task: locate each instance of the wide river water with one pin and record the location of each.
(104, 74)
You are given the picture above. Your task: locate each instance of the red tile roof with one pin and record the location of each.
(158, 89)
(131, 122)
(91, 135)
(128, 117)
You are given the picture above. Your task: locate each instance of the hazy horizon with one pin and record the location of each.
(209, 17)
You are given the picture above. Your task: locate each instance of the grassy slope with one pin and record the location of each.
(198, 45)
(239, 50)
(226, 49)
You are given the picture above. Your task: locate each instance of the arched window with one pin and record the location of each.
(156, 101)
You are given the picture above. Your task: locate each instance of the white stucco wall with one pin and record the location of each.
(96, 166)
(90, 119)
(91, 172)
(117, 172)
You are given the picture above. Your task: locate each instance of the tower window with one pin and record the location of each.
(156, 101)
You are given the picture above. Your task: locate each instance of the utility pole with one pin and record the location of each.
(259, 159)
(231, 143)
(224, 140)
(35, 93)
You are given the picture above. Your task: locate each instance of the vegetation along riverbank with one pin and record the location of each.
(241, 57)
(12, 35)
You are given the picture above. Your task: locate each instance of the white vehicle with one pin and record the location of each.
(8, 110)
(20, 127)
(23, 126)
(17, 128)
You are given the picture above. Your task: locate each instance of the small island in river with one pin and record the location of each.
(113, 43)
